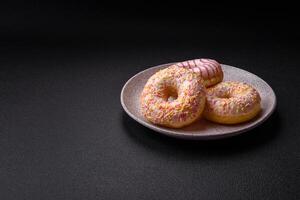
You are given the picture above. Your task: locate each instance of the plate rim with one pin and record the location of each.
(171, 133)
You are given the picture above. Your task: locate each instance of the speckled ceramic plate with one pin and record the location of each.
(201, 129)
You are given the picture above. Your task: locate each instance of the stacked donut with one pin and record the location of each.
(183, 92)
(210, 70)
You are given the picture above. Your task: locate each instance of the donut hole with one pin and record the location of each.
(224, 95)
(171, 94)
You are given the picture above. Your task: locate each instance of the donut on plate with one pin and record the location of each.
(231, 103)
(209, 69)
(173, 97)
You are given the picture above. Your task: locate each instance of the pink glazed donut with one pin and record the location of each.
(209, 69)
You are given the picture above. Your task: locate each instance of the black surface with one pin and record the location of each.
(64, 135)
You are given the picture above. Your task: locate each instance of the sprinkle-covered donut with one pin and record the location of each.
(231, 103)
(173, 97)
(210, 70)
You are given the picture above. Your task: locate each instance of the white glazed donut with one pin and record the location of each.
(188, 97)
(232, 102)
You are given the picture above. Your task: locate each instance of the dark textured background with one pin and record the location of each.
(64, 135)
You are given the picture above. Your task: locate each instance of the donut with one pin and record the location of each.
(173, 97)
(210, 70)
(231, 103)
